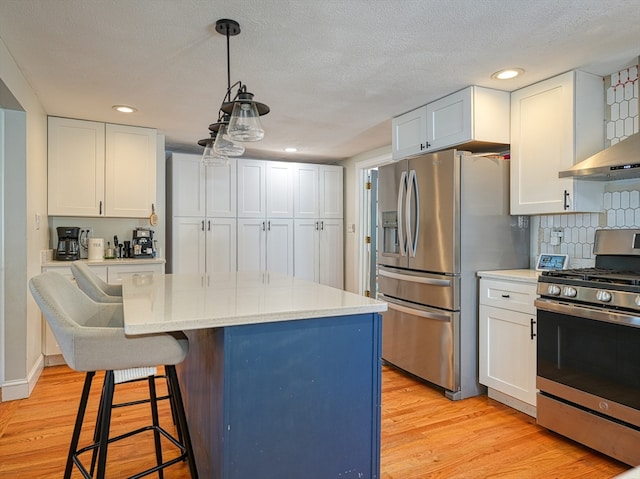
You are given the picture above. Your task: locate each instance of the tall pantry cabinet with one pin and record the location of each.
(203, 212)
(265, 216)
(318, 224)
(255, 215)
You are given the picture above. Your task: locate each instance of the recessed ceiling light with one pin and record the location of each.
(290, 149)
(124, 108)
(507, 73)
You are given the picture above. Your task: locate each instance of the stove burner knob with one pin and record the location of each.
(604, 296)
(554, 290)
(569, 292)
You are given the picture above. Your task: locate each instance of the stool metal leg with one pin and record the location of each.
(182, 418)
(156, 424)
(107, 401)
(78, 425)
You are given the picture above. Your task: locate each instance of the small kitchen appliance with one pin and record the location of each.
(68, 248)
(588, 348)
(142, 243)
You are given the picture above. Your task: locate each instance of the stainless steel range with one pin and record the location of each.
(588, 362)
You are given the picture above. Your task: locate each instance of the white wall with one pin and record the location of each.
(25, 193)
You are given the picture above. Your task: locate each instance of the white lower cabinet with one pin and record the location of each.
(265, 245)
(507, 346)
(319, 251)
(202, 245)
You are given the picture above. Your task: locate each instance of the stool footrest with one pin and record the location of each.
(161, 430)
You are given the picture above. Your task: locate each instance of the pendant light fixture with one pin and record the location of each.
(224, 145)
(239, 115)
(209, 156)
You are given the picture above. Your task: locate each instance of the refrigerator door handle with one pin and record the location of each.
(412, 229)
(402, 189)
(417, 312)
(415, 279)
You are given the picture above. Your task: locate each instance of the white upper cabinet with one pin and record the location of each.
(100, 170)
(202, 190)
(221, 190)
(409, 133)
(476, 116)
(318, 191)
(188, 185)
(252, 196)
(76, 167)
(555, 124)
(331, 191)
(130, 168)
(279, 189)
(265, 189)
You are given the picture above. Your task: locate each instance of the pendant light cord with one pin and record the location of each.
(228, 69)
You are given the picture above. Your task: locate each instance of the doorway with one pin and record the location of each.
(367, 198)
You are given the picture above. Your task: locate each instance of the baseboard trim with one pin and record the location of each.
(512, 402)
(22, 388)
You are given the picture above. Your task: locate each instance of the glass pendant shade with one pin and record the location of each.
(211, 158)
(245, 124)
(226, 146)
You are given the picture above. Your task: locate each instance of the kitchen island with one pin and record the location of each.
(283, 375)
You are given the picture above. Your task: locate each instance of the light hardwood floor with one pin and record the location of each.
(424, 435)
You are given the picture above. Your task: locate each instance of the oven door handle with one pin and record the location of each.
(414, 279)
(587, 312)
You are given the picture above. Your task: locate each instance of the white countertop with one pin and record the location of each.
(524, 275)
(157, 302)
(105, 262)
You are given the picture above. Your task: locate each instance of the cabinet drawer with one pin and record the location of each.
(117, 272)
(65, 271)
(508, 295)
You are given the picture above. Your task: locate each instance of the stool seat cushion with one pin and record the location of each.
(94, 286)
(91, 335)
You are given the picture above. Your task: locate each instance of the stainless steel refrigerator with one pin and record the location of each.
(442, 217)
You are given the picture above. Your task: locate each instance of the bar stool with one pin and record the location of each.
(102, 292)
(94, 286)
(91, 338)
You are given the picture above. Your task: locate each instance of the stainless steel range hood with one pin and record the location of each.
(618, 162)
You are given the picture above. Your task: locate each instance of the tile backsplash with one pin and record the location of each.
(573, 234)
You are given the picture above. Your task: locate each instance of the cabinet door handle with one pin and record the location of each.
(566, 200)
(317, 225)
(269, 225)
(425, 145)
(208, 225)
(264, 226)
(322, 225)
(100, 212)
(505, 296)
(202, 225)
(533, 335)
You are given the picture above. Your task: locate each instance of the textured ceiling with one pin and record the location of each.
(334, 72)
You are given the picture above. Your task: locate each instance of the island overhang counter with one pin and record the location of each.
(283, 376)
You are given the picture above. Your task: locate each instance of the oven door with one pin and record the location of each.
(590, 357)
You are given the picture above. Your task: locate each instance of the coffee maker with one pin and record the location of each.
(142, 243)
(68, 245)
